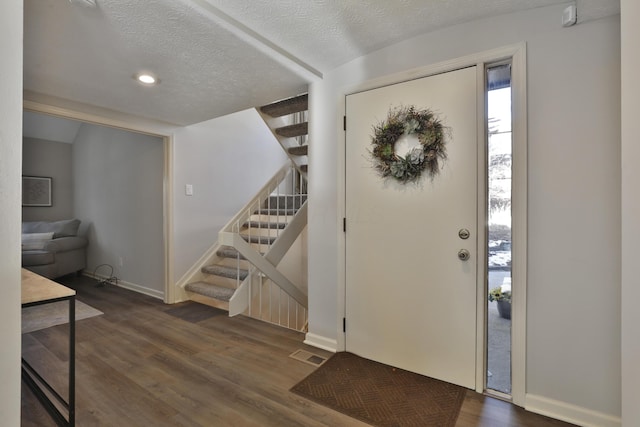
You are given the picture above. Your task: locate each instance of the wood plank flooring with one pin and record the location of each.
(144, 363)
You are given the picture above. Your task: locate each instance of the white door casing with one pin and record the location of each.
(410, 301)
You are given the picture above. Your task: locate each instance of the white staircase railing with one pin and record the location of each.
(276, 216)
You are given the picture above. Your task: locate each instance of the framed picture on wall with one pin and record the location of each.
(36, 191)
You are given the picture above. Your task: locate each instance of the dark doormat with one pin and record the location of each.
(194, 312)
(381, 395)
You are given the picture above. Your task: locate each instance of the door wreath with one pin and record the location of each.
(423, 159)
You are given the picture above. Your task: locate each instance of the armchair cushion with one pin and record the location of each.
(64, 228)
(64, 244)
(35, 241)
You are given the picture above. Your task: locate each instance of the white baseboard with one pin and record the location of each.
(569, 413)
(131, 286)
(321, 342)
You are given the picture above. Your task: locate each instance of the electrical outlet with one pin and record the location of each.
(188, 189)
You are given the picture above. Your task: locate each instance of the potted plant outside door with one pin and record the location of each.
(503, 300)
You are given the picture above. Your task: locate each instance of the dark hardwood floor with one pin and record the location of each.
(144, 363)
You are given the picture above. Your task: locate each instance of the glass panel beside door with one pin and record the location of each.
(499, 229)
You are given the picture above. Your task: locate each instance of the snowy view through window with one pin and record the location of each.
(499, 104)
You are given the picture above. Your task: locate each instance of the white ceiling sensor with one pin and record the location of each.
(570, 16)
(85, 3)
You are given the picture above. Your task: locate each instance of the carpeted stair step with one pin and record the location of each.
(274, 211)
(209, 290)
(264, 224)
(293, 130)
(287, 106)
(286, 201)
(298, 150)
(263, 240)
(229, 252)
(224, 271)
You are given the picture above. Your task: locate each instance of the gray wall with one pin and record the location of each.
(50, 159)
(573, 317)
(118, 194)
(227, 160)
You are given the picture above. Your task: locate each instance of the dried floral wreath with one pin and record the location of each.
(426, 158)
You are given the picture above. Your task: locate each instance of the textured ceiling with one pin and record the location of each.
(215, 57)
(91, 55)
(328, 33)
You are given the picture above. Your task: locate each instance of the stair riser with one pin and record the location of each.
(224, 282)
(272, 232)
(233, 263)
(271, 218)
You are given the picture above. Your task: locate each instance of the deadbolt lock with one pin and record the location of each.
(464, 233)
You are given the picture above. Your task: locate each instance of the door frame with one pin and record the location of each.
(171, 293)
(516, 53)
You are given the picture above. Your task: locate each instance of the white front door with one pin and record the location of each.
(410, 300)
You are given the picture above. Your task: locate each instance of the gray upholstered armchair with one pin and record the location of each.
(53, 249)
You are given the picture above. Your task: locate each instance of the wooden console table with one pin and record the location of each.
(38, 290)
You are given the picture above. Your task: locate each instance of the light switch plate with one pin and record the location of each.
(188, 190)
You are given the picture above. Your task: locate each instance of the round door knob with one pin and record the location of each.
(464, 254)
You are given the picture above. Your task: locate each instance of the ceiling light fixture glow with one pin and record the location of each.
(147, 79)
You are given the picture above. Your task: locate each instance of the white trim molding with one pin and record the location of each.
(516, 53)
(321, 342)
(99, 116)
(128, 285)
(569, 413)
(519, 223)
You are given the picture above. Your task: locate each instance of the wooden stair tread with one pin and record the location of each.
(293, 130)
(298, 150)
(210, 290)
(287, 106)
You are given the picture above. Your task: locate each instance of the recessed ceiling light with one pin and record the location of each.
(147, 79)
